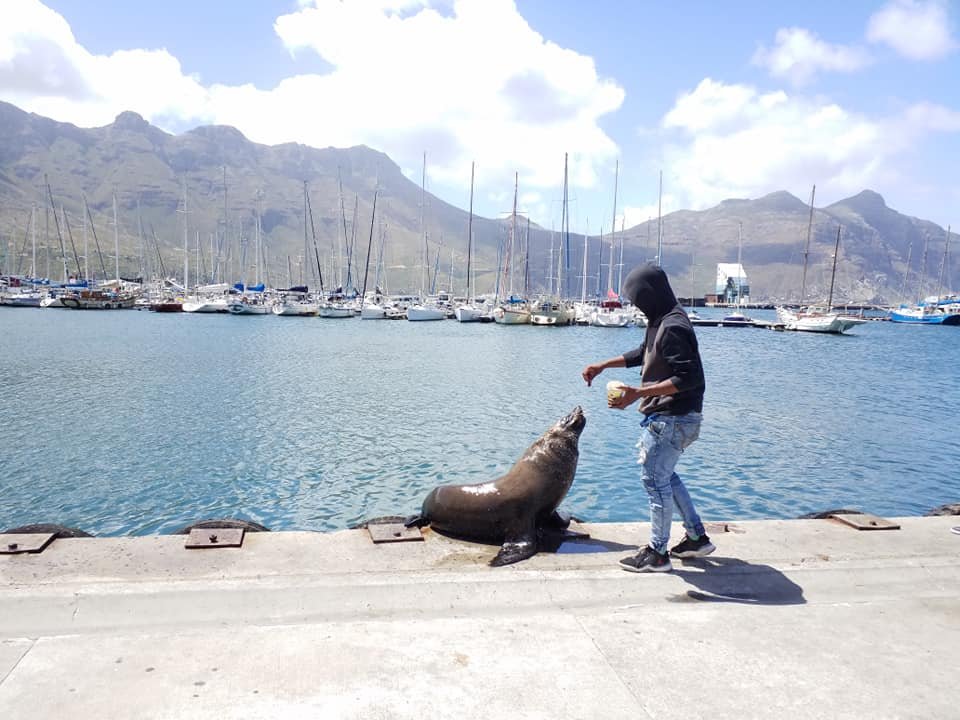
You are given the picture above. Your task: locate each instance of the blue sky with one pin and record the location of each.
(732, 99)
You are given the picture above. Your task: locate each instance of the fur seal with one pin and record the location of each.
(515, 508)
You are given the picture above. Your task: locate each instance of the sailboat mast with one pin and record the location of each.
(423, 228)
(306, 241)
(470, 293)
(943, 264)
(583, 278)
(806, 250)
(613, 225)
(600, 261)
(33, 240)
(116, 239)
(623, 222)
(739, 260)
(923, 270)
(833, 273)
(186, 250)
(513, 231)
(565, 229)
(366, 269)
(343, 222)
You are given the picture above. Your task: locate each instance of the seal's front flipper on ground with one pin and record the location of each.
(515, 550)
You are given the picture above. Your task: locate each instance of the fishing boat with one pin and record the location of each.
(98, 300)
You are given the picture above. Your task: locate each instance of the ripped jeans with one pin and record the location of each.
(662, 441)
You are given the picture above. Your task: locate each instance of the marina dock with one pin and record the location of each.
(792, 618)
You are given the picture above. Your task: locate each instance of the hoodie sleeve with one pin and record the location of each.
(678, 351)
(634, 358)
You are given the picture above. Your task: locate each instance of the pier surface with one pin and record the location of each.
(797, 618)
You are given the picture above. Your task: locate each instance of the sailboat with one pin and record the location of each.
(934, 310)
(553, 310)
(814, 319)
(423, 311)
(512, 310)
(469, 311)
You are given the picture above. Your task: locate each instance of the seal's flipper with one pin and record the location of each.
(416, 521)
(515, 551)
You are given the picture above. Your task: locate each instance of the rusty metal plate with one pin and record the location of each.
(393, 532)
(214, 538)
(865, 521)
(15, 543)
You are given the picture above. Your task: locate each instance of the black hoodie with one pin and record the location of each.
(669, 350)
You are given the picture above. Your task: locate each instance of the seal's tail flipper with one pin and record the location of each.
(416, 521)
(512, 552)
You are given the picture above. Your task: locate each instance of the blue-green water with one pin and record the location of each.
(133, 423)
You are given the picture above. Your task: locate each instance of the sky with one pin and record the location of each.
(730, 99)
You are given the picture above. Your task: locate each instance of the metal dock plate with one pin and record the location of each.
(14, 543)
(214, 538)
(393, 532)
(865, 521)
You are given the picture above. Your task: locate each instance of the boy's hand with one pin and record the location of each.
(590, 372)
(629, 397)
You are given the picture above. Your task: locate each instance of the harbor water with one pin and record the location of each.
(129, 422)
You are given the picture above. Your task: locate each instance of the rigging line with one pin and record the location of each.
(96, 241)
(56, 220)
(23, 248)
(156, 244)
(313, 231)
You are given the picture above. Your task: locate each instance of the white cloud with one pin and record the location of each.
(407, 76)
(916, 30)
(798, 55)
(727, 141)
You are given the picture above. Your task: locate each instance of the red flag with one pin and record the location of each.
(611, 294)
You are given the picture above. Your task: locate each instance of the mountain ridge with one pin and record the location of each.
(147, 167)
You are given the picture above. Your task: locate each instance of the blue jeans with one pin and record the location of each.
(662, 441)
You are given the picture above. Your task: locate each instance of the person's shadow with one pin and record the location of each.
(720, 579)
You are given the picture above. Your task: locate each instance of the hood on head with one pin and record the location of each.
(574, 422)
(647, 287)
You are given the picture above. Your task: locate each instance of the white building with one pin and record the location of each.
(732, 282)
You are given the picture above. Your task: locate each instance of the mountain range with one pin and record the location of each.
(229, 182)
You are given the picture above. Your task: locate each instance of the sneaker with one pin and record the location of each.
(687, 548)
(647, 560)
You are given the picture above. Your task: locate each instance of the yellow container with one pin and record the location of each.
(615, 390)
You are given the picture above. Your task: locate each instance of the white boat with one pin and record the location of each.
(424, 312)
(51, 301)
(814, 320)
(468, 312)
(26, 298)
(248, 306)
(513, 314)
(295, 308)
(373, 311)
(206, 305)
(551, 312)
(611, 313)
(335, 310)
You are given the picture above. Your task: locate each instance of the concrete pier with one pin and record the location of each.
(791, 619)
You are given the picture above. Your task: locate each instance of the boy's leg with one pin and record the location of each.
(657, 459)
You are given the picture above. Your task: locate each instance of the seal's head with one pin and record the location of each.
(574, 422)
